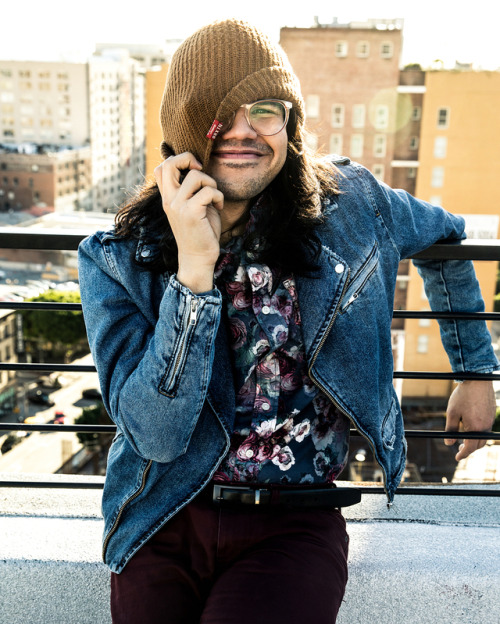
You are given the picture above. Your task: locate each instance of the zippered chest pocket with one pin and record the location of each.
(360, 279)
(170, 381)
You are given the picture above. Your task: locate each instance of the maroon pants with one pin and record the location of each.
(213, 565)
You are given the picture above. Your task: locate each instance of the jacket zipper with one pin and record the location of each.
(323, 389)
(355, 294)
(194, 303)
(120, 512)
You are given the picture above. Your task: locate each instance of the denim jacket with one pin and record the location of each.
(162, 356)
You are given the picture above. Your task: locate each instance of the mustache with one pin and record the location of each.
(248, 143)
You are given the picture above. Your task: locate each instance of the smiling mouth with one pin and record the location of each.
(239, 154)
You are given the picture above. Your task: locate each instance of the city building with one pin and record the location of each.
(155, 84)
(8, 353)
(349, 75)
(99, 104)
(44, 179)
(458, 165)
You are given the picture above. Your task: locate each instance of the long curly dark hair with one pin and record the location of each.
(288, 226)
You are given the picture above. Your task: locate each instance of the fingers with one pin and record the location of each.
(177, 188)
(452, 424)
(468, 447)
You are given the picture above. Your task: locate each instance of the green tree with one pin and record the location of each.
(56, 332)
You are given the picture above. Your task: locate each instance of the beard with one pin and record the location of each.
(241, 190)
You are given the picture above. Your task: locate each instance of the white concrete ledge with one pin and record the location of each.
(426, 560)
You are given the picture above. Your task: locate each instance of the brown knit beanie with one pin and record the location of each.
(212, 73)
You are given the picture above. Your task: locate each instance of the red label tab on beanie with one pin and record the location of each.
(214, 129)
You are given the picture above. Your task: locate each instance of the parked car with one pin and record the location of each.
(39, 397)
(92, 394)
(12, 440)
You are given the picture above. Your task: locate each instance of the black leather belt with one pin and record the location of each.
(331, 497)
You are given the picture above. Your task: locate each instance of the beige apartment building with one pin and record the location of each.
(349, 74)
(99, 104)
(458, 168)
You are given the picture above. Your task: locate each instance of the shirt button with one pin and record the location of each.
(145, 253)
(339, 268)
(266, 309)
(249, 453)
(266, 407)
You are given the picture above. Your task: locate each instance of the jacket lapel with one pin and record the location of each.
(319, 297)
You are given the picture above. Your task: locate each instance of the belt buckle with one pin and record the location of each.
(218, 492)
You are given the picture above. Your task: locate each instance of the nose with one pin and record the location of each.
(240, 128)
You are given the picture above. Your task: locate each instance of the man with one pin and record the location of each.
(239, 316)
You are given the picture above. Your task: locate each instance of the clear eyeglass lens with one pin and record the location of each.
(267, 118)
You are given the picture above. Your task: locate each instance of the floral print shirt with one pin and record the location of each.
(286, 430)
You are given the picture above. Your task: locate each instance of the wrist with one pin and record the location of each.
(198, 280)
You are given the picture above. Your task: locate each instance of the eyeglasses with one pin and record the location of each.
(265, 117)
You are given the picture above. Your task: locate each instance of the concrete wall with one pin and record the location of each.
(426, 560)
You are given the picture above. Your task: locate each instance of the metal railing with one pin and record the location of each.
(19, 238)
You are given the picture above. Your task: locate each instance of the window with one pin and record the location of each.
(44, 75)
(336, 144)
(24, 73)
(437, 200)
(414, 143)
(356, 145)
(6, 73)
(378, 172)
(412, 172)
(423, 344)
(443, 117)
(312, 106)
(437, 179)
(386, 49)
(379, 145)
(362, 49)
(341, 49)
(44, 86)
(440, 147)
(338, 115)
(424, 322)
(358, 116)
(381, 117)
(416, 113)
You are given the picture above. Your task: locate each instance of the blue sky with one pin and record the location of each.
(434, 29)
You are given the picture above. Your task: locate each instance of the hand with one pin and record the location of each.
(473, 404)
(193, 207)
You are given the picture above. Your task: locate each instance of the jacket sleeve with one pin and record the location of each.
(450, 285)
(153, 374)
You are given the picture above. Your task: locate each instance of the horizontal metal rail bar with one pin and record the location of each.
(37, 366)
(463, 376)
(405, 490)
(41, 238)
(472, 249)
(412, 314)
(39, 305)
(409, 433)
(83, 368)
(469, 316)
(58, 239)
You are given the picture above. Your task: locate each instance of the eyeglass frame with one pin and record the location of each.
(286, 105)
